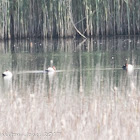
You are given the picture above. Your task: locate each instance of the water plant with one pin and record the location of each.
(68, 18)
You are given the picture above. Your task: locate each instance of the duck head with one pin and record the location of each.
(125, 66)
(54, 67)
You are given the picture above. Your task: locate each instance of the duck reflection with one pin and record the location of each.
(51, 77)
(7, 84)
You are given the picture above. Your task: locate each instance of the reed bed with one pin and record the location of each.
(68, 18)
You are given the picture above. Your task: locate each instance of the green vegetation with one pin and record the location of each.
(68, 18)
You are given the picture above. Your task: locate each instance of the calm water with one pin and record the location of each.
(89, 73)
(86, 67)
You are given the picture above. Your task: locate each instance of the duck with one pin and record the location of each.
(51, 69)
(128, 67)
(7, 73)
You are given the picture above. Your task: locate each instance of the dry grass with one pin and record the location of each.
(64, 113)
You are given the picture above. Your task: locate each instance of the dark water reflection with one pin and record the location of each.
(88, 67)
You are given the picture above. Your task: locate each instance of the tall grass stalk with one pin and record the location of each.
(40, 18)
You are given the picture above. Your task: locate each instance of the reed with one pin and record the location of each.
(53, 19)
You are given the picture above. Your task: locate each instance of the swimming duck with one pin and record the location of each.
(128, 67)
(7, 73)
(51, 69)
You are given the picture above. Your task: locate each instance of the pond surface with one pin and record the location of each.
(90, 66)
(89, 80)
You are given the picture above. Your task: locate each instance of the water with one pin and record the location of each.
(88, 93)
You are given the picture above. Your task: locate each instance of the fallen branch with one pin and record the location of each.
(71, 19)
